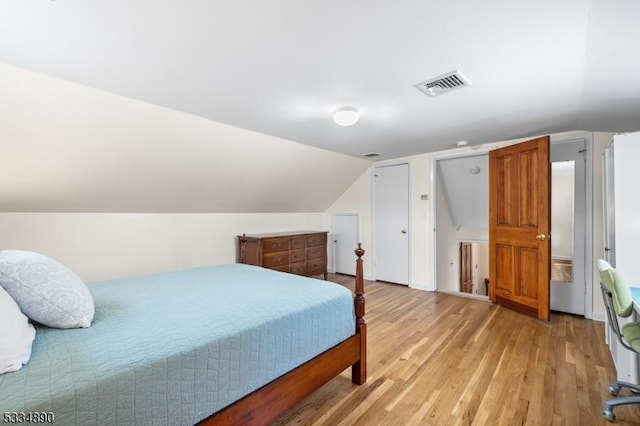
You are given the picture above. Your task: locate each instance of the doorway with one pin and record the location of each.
(568, 227)
(345, 236)
(460, 196)
(444, 254)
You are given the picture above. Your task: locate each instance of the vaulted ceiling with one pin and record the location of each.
(281, 67)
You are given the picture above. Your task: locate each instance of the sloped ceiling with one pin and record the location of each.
(465, 185)
(152, 106)
(281, 67)
(70, 148)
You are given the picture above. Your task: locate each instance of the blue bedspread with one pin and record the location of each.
(173, 348)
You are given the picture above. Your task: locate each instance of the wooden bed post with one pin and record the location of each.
(359, 369)
(242, 256)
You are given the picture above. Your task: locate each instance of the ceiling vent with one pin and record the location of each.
(371, 154)
(444, 83)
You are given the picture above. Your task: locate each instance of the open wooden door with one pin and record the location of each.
(519, 227)
(466, 268)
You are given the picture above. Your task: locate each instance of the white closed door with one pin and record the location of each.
(345, 241)
(391, 229)
(568, 227)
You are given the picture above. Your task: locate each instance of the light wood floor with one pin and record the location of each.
(441, 359)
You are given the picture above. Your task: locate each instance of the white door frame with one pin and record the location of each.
(333, 231)
(373, 213)
(484, 149)
(588, 223)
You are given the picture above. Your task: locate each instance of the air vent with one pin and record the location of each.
(371, 154)
(444, 83)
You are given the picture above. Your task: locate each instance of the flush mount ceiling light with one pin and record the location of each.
(346, 116)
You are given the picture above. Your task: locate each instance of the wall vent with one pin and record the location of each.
(444, 83)
(371, 154)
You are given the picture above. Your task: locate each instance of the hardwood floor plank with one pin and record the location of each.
(439, 359)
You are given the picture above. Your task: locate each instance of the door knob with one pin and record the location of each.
(404, 231)
(543, 237)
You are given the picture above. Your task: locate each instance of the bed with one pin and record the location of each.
(227, 344)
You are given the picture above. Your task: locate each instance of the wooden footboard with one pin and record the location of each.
(272, 400)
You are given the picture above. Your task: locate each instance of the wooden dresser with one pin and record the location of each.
(299, 252)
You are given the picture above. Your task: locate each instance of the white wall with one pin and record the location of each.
(475, 276)
(421, 230)
(101, 246)
(483, 266)
(448, 246)
(627, 206)
(71, 148)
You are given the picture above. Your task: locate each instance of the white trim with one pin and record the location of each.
(467, 295)
(373, 222)
(588, 246)
(601, 318)
(588, 261)
(472, 240)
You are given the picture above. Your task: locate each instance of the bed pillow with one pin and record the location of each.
(16, 335)
(45, 290)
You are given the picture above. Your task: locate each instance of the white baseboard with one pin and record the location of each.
(467, 295)
(421, 286)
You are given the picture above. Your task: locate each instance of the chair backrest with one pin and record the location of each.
(620, 293)
(612, 287)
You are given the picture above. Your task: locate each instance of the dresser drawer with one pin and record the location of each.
(297, 268)
(271, 260)
(316, 266)
(297, 256)
(316, 252)
(297, 243)
(275, 244)
(317, 240)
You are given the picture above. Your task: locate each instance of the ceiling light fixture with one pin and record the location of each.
(346, 116)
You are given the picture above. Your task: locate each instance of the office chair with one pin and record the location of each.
(618, 302)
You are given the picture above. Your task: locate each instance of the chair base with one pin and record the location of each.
(617, 385)
(614, 389)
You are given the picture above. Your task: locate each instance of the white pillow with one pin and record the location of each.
(45, 290)
(16, 335)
